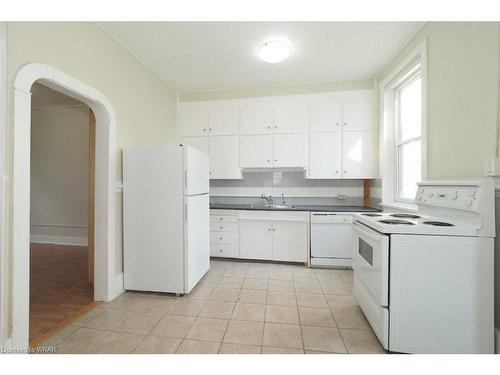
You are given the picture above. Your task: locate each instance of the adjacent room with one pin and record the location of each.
(61, 203)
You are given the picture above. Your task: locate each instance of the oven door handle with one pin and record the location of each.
(360, 228)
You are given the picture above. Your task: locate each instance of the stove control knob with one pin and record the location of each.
(472, 193)
(453, 197)
(468, 202)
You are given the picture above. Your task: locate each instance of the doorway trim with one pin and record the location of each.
(108, 282)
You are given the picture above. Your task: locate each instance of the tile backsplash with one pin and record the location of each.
(290, 184)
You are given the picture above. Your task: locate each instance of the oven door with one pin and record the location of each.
(371, 262)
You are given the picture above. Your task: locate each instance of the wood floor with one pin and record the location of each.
(59, 290)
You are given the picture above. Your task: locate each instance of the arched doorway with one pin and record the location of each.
(106, 283)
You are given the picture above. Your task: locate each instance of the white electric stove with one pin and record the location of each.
(424, 280)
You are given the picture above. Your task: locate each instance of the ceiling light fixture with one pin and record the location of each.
(274, 51)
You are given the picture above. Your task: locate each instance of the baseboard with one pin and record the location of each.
(497, 340)
(59, 240)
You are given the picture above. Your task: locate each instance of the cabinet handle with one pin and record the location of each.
(337, 124)
(336, 172)
(220, 238)
(345, 123)
(210, 129)
(274, 229)
(204, 129)
(220, 227)
(221, 219)
(276, 126)
(275, 159)
(269, 126)
(345, 172)
(268, 229)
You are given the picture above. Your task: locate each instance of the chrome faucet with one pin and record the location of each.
(268, 197)
(283, 199)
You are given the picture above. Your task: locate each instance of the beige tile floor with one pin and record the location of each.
(238, 307)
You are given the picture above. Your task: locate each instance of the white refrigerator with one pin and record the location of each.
(165, 218)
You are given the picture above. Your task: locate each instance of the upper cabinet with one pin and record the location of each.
(358, 151)
(358, 111)
(223, 117)
(291, 115)
(332, 135)
(193, 119)
(325, 113)
(224, 161)
(257, 116)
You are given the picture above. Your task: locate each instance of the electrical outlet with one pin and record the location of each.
(492, 167)
(341, 196)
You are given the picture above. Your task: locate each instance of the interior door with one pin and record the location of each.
(256, 151)
(290, 150)
(223, 117)
(325, 160)
(256, 239)
(290, 241)
(224, 160)
(359, 157)
(256, 116)
(292, 115)
(193, 119)
(197, 239)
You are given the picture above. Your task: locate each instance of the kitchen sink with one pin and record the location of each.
(276, 206)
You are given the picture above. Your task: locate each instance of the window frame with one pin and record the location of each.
(411, 76)
(407, 66)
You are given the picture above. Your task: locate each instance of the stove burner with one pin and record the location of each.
(406, 216)
(439, 223)
(372, 215)
(395, 222)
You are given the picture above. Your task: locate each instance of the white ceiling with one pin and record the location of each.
(196, 56)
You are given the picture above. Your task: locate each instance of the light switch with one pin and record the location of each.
(492, 167)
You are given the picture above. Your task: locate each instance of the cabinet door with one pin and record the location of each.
(256, 240)
(290, 150)
(325, 160)
(292, 115)
(290, 241)
(326, 113)
(224, 157)
(359, 159)
(223, 117)
(256, 151)
(201, 143)
(193, 118)
(257, 116)
(358, 110)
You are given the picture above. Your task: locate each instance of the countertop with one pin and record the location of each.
(296, 207)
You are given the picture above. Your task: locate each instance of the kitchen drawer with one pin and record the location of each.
(228, 238)
(223, 219)
(222, 226)
(225, 251)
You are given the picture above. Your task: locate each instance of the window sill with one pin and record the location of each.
(411, 207)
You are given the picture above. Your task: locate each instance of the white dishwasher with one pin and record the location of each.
(331, 239)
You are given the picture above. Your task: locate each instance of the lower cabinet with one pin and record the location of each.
(290, 241)
(260, 235)
(256, 239)
(280, 236)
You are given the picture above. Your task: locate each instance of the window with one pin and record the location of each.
(403, 129)
(408, 133)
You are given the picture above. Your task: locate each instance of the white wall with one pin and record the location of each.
(59, 174)
(462, 74)
(145, 106)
